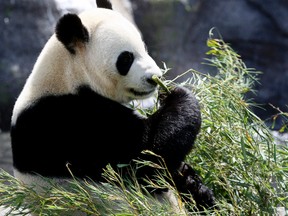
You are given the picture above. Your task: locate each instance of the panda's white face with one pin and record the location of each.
(116, 58)
(100, 49)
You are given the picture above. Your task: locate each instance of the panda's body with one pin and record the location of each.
(71, 111)
(75, 129)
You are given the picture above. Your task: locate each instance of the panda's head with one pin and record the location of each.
(110, 53)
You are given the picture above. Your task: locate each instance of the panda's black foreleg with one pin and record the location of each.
(173, 128)
(170, 133)
(188, 182)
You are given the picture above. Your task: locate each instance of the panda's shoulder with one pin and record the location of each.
(85, 104)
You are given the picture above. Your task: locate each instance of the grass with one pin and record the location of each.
(235, 154)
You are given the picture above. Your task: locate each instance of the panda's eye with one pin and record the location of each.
(124, 62)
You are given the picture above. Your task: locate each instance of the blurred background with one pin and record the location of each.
(175, 32)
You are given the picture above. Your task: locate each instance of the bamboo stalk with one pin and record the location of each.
(160, 83)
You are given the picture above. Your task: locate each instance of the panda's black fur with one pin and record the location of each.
(75, 129)
(87, 131)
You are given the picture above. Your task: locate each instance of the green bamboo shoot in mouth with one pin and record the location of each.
(157, 80)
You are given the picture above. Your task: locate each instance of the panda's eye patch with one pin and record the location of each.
(124, 62)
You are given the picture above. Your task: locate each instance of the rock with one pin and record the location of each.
(5, 153)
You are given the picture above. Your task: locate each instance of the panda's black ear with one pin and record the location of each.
(104, 4)
(70, 31)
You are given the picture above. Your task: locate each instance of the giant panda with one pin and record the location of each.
(73, 108)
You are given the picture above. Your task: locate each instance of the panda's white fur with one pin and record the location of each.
(71, 109)
(56, 72)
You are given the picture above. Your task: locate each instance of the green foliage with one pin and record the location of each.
(235, 154)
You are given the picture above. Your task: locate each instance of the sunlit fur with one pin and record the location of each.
(57, 72)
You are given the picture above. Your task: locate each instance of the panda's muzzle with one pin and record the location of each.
(141, 93)
(150, 87)
(151, 81)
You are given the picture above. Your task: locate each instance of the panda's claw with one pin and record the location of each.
(188, 182)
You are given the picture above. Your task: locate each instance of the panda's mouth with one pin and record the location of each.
(141, 93)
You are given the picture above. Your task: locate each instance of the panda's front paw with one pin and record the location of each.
(182, 98)
(189, 182)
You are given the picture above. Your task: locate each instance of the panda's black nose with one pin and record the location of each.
(151, 81)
